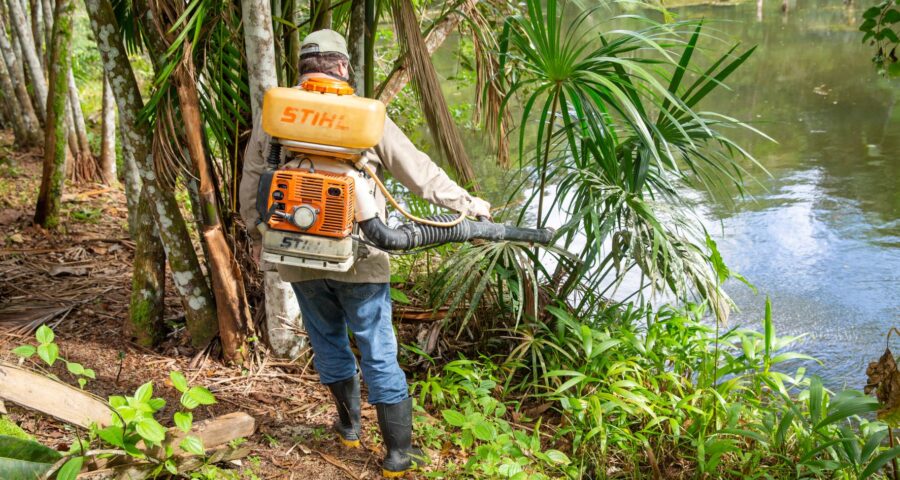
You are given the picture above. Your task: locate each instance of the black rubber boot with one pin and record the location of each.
(346, 398)
(395, 422)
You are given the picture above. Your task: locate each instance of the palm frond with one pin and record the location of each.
(429, 92)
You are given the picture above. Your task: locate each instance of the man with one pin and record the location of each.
(332, 302)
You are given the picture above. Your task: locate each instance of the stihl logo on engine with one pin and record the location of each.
(311, 117)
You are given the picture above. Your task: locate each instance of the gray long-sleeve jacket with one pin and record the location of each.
(413, 168)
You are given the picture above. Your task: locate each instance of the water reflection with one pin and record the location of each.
(822, 236)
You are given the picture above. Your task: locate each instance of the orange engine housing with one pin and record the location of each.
(331, 194)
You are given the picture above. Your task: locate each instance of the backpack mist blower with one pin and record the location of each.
(310, 216)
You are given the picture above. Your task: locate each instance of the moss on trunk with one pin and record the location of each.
(47, 211)
(200, 309)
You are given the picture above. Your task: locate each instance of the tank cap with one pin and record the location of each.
(327, 85)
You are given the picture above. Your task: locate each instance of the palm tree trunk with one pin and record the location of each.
(30, 54)
(189, 279)
(281, 305)
(356, 45)
(47, 9)
(108, 136)
(37, 32)
(291, 40)
(11, 107)
(235, 323)
(148, 282)
(85, 168)
(17, 75)
(320, 14)
(131, 177)
(47, 212)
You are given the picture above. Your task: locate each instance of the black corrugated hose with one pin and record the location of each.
(414, 235)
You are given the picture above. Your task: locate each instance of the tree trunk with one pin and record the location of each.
(277, 28)
(108, 136)
(36, 31)
(47, 212)
(47, 9)
(32, 59)
(291, 39)
(320, 14)
(85, 168)
(281, 304)
(356, 45)
(235, 323)
(148, 282)
(17, 75)
(131, 177)
(11, 107)
(189, 279)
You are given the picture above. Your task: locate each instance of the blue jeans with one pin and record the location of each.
(329, 307)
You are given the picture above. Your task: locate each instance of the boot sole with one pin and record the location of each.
(390, 474)
(349, 443)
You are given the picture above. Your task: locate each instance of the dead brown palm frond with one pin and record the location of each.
(489, 100)
(25, 318)
(169, 159)
(428, 90)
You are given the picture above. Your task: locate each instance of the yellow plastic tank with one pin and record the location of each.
(324, 115)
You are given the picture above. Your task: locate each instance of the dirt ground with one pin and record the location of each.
(77, 280)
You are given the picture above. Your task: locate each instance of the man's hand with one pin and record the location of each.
(480, 209)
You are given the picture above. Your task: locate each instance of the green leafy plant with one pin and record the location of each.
(881, 31)
(48, 351)
(476, 424)
(134, 421)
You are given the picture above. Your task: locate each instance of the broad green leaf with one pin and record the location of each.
(201, 395)
(558, 457)
(171, 467)
(879, 461)
(48, 352)
(70, 469)
(188, 401)
(184, 420)
(89, 373)
(150, 430)
(193, 445)
(144, 393)
(156, 404)
(178, 381)
(847, 408)
(484, 431)
(24, 351)
(75, 368)
(112, 435)
(454, 418)
(399, 296)
(25, 459)
(44, 334)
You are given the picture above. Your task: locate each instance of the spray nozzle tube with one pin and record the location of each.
(414, 235)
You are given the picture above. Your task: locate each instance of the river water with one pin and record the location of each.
(821, 236)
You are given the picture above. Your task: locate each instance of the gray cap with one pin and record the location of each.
(324, 41)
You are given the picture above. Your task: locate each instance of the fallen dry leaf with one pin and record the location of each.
(884, 380)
